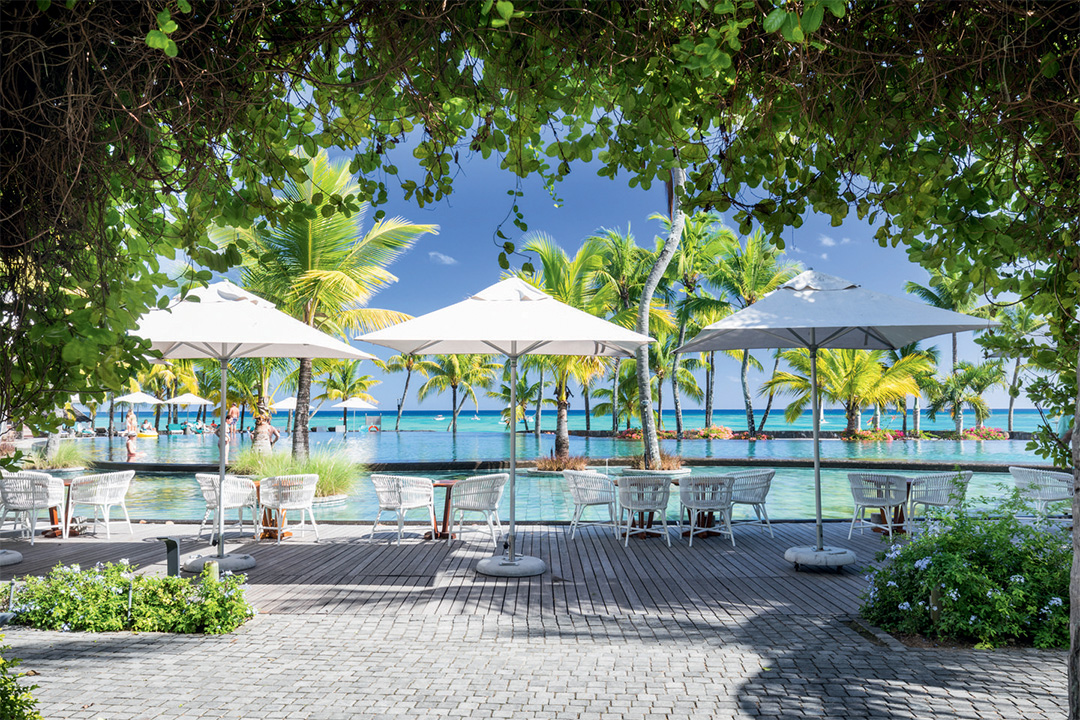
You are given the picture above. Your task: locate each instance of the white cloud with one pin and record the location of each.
(824, 256)
(439, 259)
(827, 241)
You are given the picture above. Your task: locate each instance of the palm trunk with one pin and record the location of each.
(772, 393)
(401, 403)
(157, 418)
(457, 410)
(588, 419)
(903, 410)
(916, 416)
(1014, 390)
(710, 379)
(453, 406)
(660, 405)
(562, 436)
(300, 448)
(875, 419)
(958, 418)
(853, 418)
(955, 355)
(675, 383)
(539, 403)
(671, 244)
(746, 394)
(112, 416)
(615, 397)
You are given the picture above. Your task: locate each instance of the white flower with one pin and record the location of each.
(924, 563)
(953, 594)
(890, 583)
(972, 619)
(904, 606)
(1017, 579)
(1054, 601)
(125, 561)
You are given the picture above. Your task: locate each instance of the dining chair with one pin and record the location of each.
(282, 493)
(588, 489)
(399, 494)
(1042, 487)
(478, 494)
(238, 494)
(57, 495)
(701, 494)
(938, 490)
(25, 494)
(751, 487)
(644, 494)
(872, 491)
(101, 491)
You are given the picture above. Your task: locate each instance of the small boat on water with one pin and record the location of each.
(439, 417)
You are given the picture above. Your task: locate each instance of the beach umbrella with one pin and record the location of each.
(814, 311)
(222, 322)
(188, 399)
(136, 398)
(510, 318)
(353, 403)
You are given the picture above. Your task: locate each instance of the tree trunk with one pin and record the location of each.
(744, 373)
(615, 396)
(112, 416)
(453, 407)
(660, 405)
(401, 403)
(772, 393)
(875, 419)
(345, 419)
(675, 383)
(585, 398)
(853, 417)
(52, 440)
(539, 403)
(562, 436)
(300, 448)
(1014, 390)
(671, 244)
(1074, 574)
(955, 356)
(243, 416)
(157, 418)
(958, 418)
(710, 380)
(916, 416)
(260, 443)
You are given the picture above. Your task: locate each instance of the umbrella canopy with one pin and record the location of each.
(286, 404)
(355, 403)
(222, 322)
(138, 397)
(814, 311)
(509, 318)
(188, 399)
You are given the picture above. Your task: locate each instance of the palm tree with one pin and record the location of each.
(527, 394)
(1013, 340)
(570, 281)
(341, 380)
(744, 277)
(660, 355)
(704, 239)
(464, 373)
(408, 364)
(319, 266)
(960, 388)
(853, 378)
(949, 291)
(932, 355)
(625, 388)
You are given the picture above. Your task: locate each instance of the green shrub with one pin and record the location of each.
(97, 600)
(992, 578)
(69, 454)
(337, 473)
(16, 701)
(552, 464)
(667, 462)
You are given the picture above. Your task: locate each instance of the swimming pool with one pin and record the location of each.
(403, 447)
(540, 498)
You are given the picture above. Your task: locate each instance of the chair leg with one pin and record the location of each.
(434, 523)
(371, 535)
(578, 509)
(629, 519)
(765, 517)
(123, 506)
(282, 523)
(400, 524)
(311, 516)
(32, 521)
(853, 519)
(491, 527)
(614, 522)
(693, 524)
(450, 532)
(730, 530)
(202, 525)
(105, 512)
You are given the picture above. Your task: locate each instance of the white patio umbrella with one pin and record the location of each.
(223, 322)
(286, 404)
(510, 318)
(136, 398)
(188, 399)
(353, 403)
(813, 311)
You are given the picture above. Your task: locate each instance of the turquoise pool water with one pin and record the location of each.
(539, 497)
(392, 447)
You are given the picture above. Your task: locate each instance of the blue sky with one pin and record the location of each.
(463, 257)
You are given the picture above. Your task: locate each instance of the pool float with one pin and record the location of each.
(373, 428)
(147, 434)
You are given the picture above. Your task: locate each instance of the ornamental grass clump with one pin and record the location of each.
(69, 454)
(977, 577)
(337, 473)
(554, 463)
(667, 462)
(111, 597)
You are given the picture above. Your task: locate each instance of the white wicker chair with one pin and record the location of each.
(644, 494)
(940, 490)
(399, 494)
(478, 494)
(57, 495)
(102, 491)
(706, 494)
(1042, 487)
(872, 491)
(588, 489)
(26, 494)
(290, 492)
(751, 487)
(239, 494)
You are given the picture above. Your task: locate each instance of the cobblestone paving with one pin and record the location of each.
(388, 665)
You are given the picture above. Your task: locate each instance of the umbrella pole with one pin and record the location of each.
(513, 454)
(221, 463)
(814, 401)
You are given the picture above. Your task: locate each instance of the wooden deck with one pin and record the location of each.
(592, 575)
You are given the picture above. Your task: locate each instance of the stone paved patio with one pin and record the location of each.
(607, 633)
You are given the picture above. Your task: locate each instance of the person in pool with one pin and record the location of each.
(132, 423)
(146, 427)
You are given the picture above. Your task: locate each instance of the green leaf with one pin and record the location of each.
(505, 9)
(43, 5)
(503, 262)
(170, 48)
(485, 9)
(165, 22)
(836, 7)
(774, 20)
(811, 19)
(185, 6)
(157, 39)
(1049, 66)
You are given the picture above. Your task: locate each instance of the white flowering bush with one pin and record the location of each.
(976, 576)
(112, 597)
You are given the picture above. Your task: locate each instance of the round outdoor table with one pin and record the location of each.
(436, 533)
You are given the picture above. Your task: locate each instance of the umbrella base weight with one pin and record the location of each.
(522, 566)
(826, 557)
(233, 562)
(10, 557)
